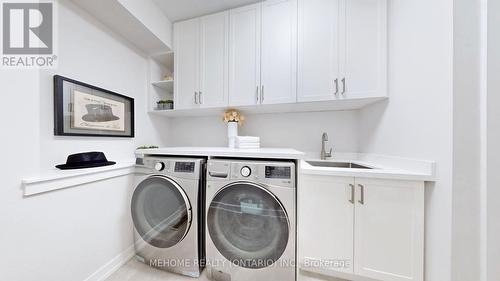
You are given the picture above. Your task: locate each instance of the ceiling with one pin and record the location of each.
(177, 10)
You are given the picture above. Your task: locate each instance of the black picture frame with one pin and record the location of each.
(61, 121)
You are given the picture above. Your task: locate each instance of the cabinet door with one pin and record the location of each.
(186, 63)
(318, 54)
(389, 230)
(244, 55)
(365, 49)
(213, 60)
(325, 223)
(279, 51)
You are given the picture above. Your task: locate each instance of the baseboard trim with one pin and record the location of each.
(113, 265)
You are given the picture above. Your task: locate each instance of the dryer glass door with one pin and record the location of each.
(161, 211)
(248, 225)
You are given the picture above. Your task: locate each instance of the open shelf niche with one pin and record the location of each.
(161, 79)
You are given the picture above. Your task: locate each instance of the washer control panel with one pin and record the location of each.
(266, 172)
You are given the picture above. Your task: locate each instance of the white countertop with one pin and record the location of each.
(384, 167)
(378, 170)
(271, 153)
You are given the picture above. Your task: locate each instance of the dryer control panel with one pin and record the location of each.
(179, 167)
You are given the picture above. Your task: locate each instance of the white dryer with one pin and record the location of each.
(250, 220)
(167, 211)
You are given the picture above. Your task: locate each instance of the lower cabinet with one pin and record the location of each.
(360, 229)
(326, 221)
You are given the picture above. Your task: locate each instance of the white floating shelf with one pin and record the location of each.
(59, 179)
(160, 110)
(167, 85)
(335, 105)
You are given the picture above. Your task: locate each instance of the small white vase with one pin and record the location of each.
(232, 133)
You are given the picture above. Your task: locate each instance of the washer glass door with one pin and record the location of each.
(161, 211)
(248, 225)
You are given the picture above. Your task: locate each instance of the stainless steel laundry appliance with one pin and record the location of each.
(167, 211)
(250, 220)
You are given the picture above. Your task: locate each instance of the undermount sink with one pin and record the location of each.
(347, 165)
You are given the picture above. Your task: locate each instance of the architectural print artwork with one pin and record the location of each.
(97, 113)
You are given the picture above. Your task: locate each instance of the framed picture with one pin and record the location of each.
(81, 109)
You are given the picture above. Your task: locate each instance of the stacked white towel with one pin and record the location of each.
(246, 142)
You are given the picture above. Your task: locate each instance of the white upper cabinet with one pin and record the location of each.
(263, 53)
(342, 49)
(319, 62)
(284, 52)
(364, 64)
(244, 55)
(279, 52)
(186, 42)
(201, 47)
(214, 50)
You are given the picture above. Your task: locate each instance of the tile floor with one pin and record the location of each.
(137, 271)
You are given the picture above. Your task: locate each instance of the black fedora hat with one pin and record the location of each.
(99, 113)
(85, 160)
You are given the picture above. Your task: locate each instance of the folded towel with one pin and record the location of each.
(246, 142)
(245, 147)
(247, 139)
(248, 146)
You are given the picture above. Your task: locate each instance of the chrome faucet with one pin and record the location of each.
(325, 154)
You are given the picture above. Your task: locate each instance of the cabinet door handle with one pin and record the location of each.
(343, 86)
(352, 193)
(362, 195)
(336, 82)
(200, 100)
(195, 97)
(257, 93)
(262, 94)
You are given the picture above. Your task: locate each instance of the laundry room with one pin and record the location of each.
(295, 140)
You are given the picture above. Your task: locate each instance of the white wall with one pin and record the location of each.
(301, 131)
(492, 140)
(68, 234)
(466, 141)
(416, 122)
(20, 156)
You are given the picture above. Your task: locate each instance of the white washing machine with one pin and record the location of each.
(250, 222)
(167, 211)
